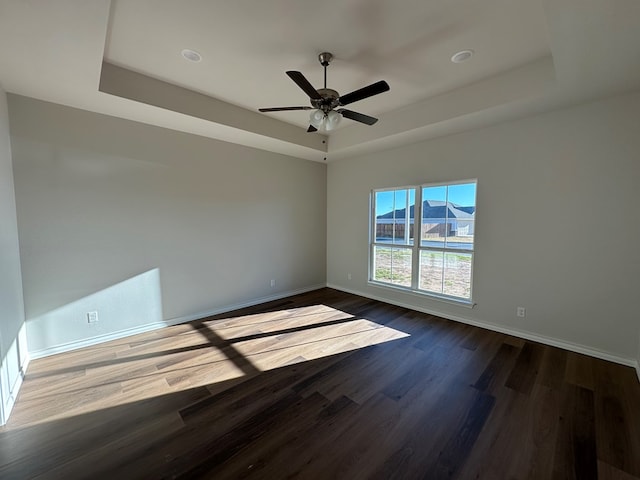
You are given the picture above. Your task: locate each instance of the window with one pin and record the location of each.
(435, 258)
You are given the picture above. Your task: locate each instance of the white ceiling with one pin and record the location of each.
(530, 56)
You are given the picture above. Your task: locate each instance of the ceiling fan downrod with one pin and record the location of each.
(325, 59)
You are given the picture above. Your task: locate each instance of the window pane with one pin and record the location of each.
(392, 265)
(457, 274)
(381, 264)
(433, 227)
(431, 271)
(399, 215)
(393, 209)
(384, 216)
(461, 215)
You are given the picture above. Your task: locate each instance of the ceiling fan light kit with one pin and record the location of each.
(327, 121)
(324, 101)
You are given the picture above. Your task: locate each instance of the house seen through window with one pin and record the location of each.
(432, 256)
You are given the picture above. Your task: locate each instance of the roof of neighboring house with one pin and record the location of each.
(435, 209)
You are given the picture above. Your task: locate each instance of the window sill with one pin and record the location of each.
(418, 293)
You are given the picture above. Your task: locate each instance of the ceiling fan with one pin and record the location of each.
(324, 101)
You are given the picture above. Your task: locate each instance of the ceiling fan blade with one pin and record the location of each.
(282, 109)
(304, 84)
(365, 92)
(311, 129)
(358, 117)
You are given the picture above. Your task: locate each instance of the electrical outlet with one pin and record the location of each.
(348, 276)
(273, 282)
(92, 317)
(520, 311)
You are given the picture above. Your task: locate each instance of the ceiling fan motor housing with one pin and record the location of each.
(329, 100)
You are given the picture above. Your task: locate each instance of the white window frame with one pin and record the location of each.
(416, 246)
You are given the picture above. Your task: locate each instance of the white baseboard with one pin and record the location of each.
(638, 369)
(87, 342)
(67, 347)
(592, 352)
(12, 396)
(251, 303)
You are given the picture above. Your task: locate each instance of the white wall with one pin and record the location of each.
(144, 224)
(557, 222)
(13, 350)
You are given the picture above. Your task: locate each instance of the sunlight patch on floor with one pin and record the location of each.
(202, 353)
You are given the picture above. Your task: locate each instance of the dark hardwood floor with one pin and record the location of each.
(324, 385)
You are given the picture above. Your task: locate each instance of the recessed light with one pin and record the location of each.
(191, 55)
(462, 56)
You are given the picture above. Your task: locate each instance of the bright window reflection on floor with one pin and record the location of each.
(202, 353)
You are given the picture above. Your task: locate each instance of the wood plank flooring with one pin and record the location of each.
(324, 385)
